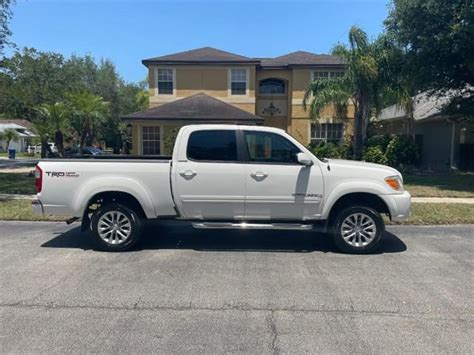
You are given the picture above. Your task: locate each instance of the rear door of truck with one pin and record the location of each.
(207, 178)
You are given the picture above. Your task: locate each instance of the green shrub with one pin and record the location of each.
(330, 150)
(381, 141)
(375, 155)
(394, 150)
(402, 151)
(169, 140)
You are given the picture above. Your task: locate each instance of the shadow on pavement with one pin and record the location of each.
(180, 235)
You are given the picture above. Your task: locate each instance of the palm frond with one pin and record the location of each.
(326, 92)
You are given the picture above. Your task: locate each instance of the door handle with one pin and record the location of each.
(259, 175)
(188, 174)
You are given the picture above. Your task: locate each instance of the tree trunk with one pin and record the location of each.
(410, 131)
(59, 140)
(44, 147)
(361, 124)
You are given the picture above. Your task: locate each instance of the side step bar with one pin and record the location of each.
(243, 225)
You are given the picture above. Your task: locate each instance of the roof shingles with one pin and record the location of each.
(204, 55)
(211, 55)
(198, 108)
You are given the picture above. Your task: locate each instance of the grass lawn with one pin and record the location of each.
(440, 185)
(422, 213)
(21, 155)
(20, 210)
(17, 183)
(440, 213)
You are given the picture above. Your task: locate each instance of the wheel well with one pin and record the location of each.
(124, 198)
(103, 198)
(359, 199)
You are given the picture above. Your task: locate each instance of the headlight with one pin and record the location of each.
(395, 182)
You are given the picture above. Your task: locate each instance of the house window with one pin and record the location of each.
(271, 86)
(151, 140)
(327, 133)
(238, 81)
(324, 74)
(165, 81)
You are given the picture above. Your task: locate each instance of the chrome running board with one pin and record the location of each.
(243, 225)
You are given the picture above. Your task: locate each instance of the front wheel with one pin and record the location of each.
(358, 230)
(116, 227)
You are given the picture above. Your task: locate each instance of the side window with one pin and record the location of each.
(270, 148)
(213, 145)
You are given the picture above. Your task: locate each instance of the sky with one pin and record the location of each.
(127, 31)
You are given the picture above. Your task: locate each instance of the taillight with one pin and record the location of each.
(38, 179)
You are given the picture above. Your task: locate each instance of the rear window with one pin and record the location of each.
(214, 145)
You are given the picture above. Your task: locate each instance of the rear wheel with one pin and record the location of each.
(116, 227)
(358, 230)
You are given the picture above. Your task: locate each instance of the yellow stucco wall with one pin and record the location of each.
(214, 81)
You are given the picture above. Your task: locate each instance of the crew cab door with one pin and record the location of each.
(277, 186)
(208, 179)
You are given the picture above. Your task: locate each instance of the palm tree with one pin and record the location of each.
(58, 121)
(9, 135)
(358, 86)
(87, 112)
(398, 82)
(43, 127)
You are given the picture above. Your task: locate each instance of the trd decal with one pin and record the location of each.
(67, 174)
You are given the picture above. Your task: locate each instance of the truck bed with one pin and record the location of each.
(121, 157)
(69, 183)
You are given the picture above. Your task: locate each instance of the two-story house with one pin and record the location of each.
(208, 85)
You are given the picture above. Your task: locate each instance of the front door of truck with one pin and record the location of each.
(209, 182)
(277, 186)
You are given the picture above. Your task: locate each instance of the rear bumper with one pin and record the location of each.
(37, 207)
(399, 205)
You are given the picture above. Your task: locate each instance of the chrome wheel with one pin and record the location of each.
(358, 229)
(114, 227)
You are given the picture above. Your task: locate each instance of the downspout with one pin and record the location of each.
(453, 135)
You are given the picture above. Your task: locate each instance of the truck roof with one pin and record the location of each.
(236, 127)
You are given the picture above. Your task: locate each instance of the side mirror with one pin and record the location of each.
(304, 159)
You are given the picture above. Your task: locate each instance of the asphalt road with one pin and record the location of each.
(231, 291)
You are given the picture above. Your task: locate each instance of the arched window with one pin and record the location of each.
(271, 86)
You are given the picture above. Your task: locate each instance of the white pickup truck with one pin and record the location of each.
(225, 176)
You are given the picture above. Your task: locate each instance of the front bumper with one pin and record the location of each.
(37, 207)
(399, 205)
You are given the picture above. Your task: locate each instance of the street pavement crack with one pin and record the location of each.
(139, 306)
(272, 326)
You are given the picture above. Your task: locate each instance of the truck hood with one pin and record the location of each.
(360, 168)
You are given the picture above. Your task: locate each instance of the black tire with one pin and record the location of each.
(117, 242)
(360, 243)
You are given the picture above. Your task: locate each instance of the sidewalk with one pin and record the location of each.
(469, 201)
(16, 197)
(465, 200)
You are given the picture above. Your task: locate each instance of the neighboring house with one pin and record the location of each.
(447, 142)
(208, 85)
(23, 127)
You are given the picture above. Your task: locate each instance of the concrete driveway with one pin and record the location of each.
(230, 291)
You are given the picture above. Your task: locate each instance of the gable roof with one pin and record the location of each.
(20, 122)
(200, 55)
(424, 107)
(197, 108)
(209, 55)
(302, 58)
